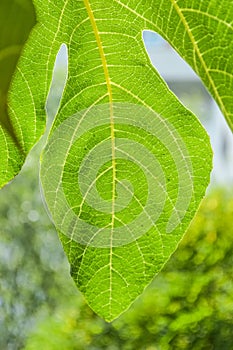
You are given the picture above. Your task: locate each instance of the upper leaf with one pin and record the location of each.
(126, 165)
(201, 31)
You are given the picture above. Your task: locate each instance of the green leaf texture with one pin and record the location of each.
(126, 165)
(16, 21)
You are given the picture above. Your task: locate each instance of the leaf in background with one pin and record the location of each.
(16, 21)
(126, 165)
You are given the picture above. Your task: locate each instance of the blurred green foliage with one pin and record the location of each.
(31, 259)
(188, 306)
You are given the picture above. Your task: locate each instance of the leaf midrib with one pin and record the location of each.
(109, 88)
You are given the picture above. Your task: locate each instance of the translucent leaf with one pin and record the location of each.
(126, 165)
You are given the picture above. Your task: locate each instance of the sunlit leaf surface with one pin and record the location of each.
(126, 165)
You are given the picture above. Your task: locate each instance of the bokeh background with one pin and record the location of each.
(189, 305)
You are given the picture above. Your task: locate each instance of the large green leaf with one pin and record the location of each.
(126, 165)
(16, 21)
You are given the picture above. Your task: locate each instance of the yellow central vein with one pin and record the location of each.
(196, 48)
(109, 88)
